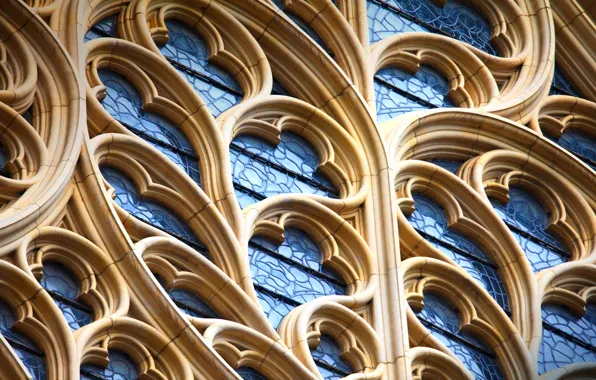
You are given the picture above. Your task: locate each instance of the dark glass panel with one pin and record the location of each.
(189, 302)
(290, 274)
(103, 28)
(247, 373)
(457, 20)
(189, 54)
(566, 339)
(443, 322)
(27, 351)
(561, 85)
(148, 211)
(581, 144)
(63, 286)
(527, 219)
(120, 367)
(261, 169)
(430, 220)
(398, 91)
(327, 356)
(124, 103)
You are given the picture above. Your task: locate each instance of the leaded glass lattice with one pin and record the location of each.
(398, 91)
(527, 220)
(430, 221)
(27, 351)
(190, 303)
(124, 103)
(64, 287)
(103, 28)
(288, 275)
(581, 144)
(148, 211)
(561, 85)
(566, 338)
(455, 19)
(443, 322)
(261, 169)
(188, 53)
(120, 367)
(327, 357)
(248, 373)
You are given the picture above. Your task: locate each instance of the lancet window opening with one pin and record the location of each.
(429, 220)
(105, 28)
(455, 19)
(398, 91)
(286, 276)
(64, 288)
(120, 367)
(189, 302)
(327, 357)
(444, 324)
(249, 373)
(152, 213)
(561, 85)
(581, 144)
(527, 220)
(123, 103)
(187, 52)
(261, 169)
(26, 350)
(566, 338)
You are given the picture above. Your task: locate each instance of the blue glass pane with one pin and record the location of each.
(63, 286)
(452, 166)
(4, 157)
(566, 339)
(218, 88)
(25, 349)
(561, 85)
(149, 211)
(443, 322)
(261, 169)
(429, 219)
(527, 220)
(247, 373)
(327, 356)
(104, 28)
(288, 275)
(188, 302)
(124, 103)
(454, 19)
(384, 22)
(398, 91)
(120, 367)
(279, 89)
(580, 143)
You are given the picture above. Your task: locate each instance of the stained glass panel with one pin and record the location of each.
(120, 367)
(561, 85)
(580, 143)
(124, 103)
(247, 373)
(189, 302)
(328, 358)
(527, 219)
(566, 338)
(443, 322)
(104, 28)
(288, 275)
(398, 91)
(430, 221)
(189, 54)
(389, 17)
(452, 166)
(148, 211)
(261, 169)
(27, 351)
(63, 286)
(4, 157)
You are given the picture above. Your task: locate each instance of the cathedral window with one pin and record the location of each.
(120, 367)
